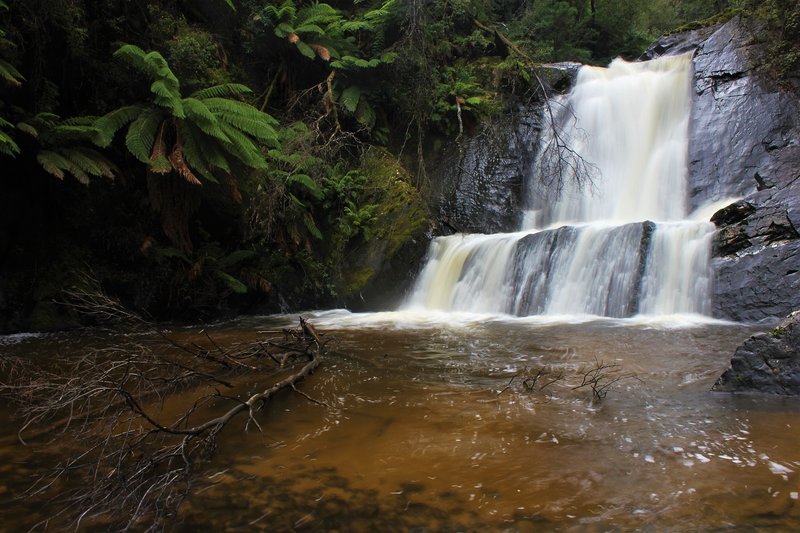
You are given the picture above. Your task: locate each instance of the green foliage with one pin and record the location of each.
(203, 134)
(60, 151)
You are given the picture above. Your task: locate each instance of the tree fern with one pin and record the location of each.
(210, 129)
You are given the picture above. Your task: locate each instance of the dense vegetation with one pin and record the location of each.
(213, 156)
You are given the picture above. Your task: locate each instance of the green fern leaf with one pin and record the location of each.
(312, 29)
(142, 134)
(283, 29)
(243, 148)
(215, 158)
(308, 184)
(232, 283)
(133, 55)
(350, 97)
(10, 74)
(234, 258)
(194, 149)
(198, 113)
(7, 145)
(311, 226)
(108, 125)
(222, 91)
(28, 128)
(52, 163)
(90, 162)
(306, 50)
(224, 106)
(167, 97)
(365, 114)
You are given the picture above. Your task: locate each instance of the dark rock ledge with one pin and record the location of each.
(766, 362)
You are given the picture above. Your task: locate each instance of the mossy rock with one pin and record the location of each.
(400, 218)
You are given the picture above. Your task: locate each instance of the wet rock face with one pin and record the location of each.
(478, 181)
(766, 362)
(744, 143)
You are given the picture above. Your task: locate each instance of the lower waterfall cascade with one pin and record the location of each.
(616, 240)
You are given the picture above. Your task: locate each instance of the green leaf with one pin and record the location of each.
(350, 97)
(109, 124)
(308, 184)
(232, 283)
(222, 91)
(234, 258)
(7, 145)
(311, 226)
(142, 134)
(365, 114)
(305, 49)
(167, 97)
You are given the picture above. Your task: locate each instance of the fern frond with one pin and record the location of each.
(234, 258)
(90, 161)
(350, 97)
(215, 158)
(167, 97)
(178, 162)
(27, 128)
(311, 226)
(53, 163)
(318, 13)
(142, 134)
(109, 124)
(245, 118)
(312, 29)
(284, 29)
(242, 148)
(134, 56)
(307, 183)
(197, 112)
(10, 74)
(352, 26)
(232, 283)
(287, 12)
(379, 16)
(306, 50)
(7, 145)
(365, 114)
(195, 149)
(222, 91)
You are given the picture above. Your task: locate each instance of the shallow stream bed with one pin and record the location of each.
(429, 422)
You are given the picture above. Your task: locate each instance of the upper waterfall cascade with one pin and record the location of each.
(616, 240)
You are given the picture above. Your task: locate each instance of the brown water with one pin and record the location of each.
(417, 434)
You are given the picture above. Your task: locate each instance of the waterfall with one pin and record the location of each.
(606, 230)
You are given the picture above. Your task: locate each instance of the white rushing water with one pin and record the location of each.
(617, 240)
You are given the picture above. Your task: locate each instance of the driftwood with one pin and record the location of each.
(128, 445)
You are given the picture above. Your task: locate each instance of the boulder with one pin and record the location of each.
(766, 362)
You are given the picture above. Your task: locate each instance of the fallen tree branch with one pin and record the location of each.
(116, 427)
